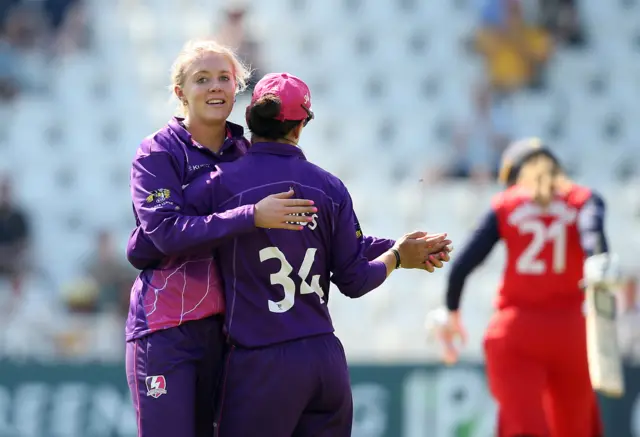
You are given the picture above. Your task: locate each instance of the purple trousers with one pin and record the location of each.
(173, 376)
(296, 389)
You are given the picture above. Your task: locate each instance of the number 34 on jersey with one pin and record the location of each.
(283, 278)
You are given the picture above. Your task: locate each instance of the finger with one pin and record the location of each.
(444, 336)
(450, 355)
(435, 261)
(416, 234)
(439, 239)
(428, 267)
(289, 226)
(449, 359)
(436, 247)
(429, 237)
(284, 195)
(444, 256)
(463, 335)
(448, 341)
(425, 246)
(297, 202)
(449, 248)
(435, 234)
(431, 240)
(444, 251)
(288, 218)
(300, 210)
(442, 247)
(431, 246)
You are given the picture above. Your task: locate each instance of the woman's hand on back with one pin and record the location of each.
(279, 211)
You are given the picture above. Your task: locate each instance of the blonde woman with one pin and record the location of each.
(174, 329)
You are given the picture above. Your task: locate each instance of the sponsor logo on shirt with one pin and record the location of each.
(198, 167)
(156, 386)
(159, 196)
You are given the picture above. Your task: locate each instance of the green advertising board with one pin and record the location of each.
(437, 401)
(92, 400)
(64, 401)
(418, 401)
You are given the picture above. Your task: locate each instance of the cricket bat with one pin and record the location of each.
(603, 352)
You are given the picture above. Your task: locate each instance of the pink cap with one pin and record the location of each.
(294, 95)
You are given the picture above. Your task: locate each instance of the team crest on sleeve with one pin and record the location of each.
(156, 386)
(358, 230)
(159, 196)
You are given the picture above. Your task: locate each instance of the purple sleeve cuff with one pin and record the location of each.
(242, 219)
(374, 247)
(370, 278)
(377, 275)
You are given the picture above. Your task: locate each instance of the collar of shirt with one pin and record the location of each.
(234, 136)
(281, 149)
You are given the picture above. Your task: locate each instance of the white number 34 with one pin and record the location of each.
(283, 278)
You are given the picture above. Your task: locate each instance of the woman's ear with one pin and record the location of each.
(179, 94)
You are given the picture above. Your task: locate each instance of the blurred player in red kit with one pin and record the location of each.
(535, 344)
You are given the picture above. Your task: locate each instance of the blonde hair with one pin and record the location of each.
(195, 49)
(543, 175)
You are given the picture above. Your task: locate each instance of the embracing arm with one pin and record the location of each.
(170, 224)
(157, 196)
(141, 252)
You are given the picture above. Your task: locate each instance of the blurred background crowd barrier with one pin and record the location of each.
(414, 102)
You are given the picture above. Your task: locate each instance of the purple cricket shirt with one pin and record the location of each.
(183, 282)
(276, 281)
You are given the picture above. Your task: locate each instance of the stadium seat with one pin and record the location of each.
(388, 82)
